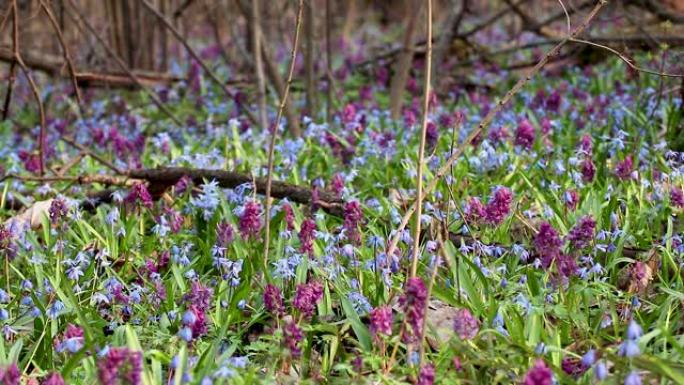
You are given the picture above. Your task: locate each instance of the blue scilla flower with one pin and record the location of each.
(629, 348)
(589, 358)
(283, 269)
(633, 378)
(55, 309)
(185, 334)
(360, 303)
(634, 331)
(208, 199)
(601, 371)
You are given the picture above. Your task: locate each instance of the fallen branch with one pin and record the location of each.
(54, 66)
(160, 179)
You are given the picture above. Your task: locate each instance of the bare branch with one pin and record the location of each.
(152, 95)
(274, 133)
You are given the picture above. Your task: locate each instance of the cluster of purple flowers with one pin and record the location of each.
(466, 325)
(677, 197)
(120, 366)
(547, 243)
(381, 320)
(307, 296)
(273, 300)
(58, 210)
(426, 375)
(72, 340)
(10, 375)
(306, 236)
(250, 220)
(352, 219)
(583, 233)
(292, 336)
(224, 234)
(499, 205)
(413, 303)
(539, 374)
(573, 366)
(624, 168)
(6, 242)
(289, 216)
(587, 168)
(525, 134)
(139, 193)
(54, 379)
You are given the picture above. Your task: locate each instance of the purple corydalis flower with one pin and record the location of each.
(583, 233)
(431, 136)
(140, 193)
(292, 335)
(273, 300)
(567, 265)
(54, 379)
(499, 205)
(352, 218)
(224, 234)
(58, 210)
(573, 366)
(547, 243)
(498, 135)
(306, 236)
(250, 220)
(198, 324)
(525, 134)
(175, 219)
(475, 210)
(31, 161)
(349, 114)
(585, 144)
(337, 185)
(200, 296)
(571, 198)
(426, 375)
(10, 375)
(182, 185)
(73, 339)
(307, 296)
(289, 216)
(588, 170)
(465, 325)
(413, 304)
(677, 197)
(539, 374)
(623, 169)
(120, 366)
(381, 320)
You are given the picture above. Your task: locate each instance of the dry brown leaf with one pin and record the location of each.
(33, 216)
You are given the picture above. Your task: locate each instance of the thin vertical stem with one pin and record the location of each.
(32, 86)
(328, 59)
(258, 64)
(274, 133)
(421, 149)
